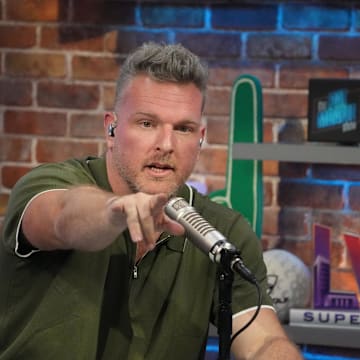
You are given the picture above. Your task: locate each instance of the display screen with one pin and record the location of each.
(333, 110)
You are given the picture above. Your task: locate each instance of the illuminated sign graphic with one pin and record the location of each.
(334, 110)
(323, 296)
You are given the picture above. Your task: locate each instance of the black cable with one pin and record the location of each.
(254, 281)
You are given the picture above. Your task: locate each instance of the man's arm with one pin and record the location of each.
(264, 339)
(89, 219)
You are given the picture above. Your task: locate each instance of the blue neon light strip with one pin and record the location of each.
(310, 356)
(212, 348)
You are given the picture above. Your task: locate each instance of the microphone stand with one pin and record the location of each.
(225, 278)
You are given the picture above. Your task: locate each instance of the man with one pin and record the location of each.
(92, 268)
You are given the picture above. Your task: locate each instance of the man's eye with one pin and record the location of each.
(146, 123)
(185, 128)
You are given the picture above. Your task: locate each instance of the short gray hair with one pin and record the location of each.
(163, 62)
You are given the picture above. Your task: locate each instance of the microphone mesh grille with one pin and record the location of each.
(198, 223)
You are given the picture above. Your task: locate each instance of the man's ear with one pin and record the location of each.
(111, 130)
(202, 136)
(110, 124)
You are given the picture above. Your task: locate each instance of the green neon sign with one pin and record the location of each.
(244, 186)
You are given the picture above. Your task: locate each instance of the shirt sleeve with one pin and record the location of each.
(48, 177)
(245, 294)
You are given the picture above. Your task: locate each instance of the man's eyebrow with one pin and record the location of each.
(180, 122)
(188, 122)
(146, 114)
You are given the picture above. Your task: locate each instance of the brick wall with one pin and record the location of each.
(59, 60)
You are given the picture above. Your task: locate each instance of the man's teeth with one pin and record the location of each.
(159, 166)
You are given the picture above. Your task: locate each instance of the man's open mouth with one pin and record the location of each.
(160, 167)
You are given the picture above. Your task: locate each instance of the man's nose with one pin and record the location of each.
(166, 139)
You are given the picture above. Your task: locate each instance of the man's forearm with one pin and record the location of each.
(84, 220)
(277, 348)
(76, 218)
(89, 219)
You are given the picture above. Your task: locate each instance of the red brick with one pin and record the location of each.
(302, 249)
(95, 68)
(15, 92)
(108, 97)
(221, 76)
(268, 193)
(336, 172)
(310, 195)
(59, 150)
(122, 42)
(104, 12)
(214, 183)
(285, 105)
(293, 170)
(293, 223)
(269, 241)
(172, 16)
(19, 36)
(37, 10)
(212, 45)
(86, 125)
(212, 161)
(247, 17)
(328, 218)
(4, 199)
(15, 149)
(270, 221)
(341, 48)
(73, 96)
(291, 131)
(270, 168)
(218, 101)
(351, 222)
(275, 46)
(35, 123)
(11, 174)
(297, 76)
(217, 130)
(268, 135)
(35, 65)
(354, 197)
(72, 38)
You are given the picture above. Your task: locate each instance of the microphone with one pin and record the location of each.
(206, 237)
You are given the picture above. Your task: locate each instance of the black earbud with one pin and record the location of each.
(112, 126)
(111, 130)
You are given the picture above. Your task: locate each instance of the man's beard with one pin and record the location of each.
(130, 177)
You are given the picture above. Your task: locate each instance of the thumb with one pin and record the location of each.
(173, 227)
(167, 224)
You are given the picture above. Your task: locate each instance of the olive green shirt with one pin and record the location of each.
(101, 305)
